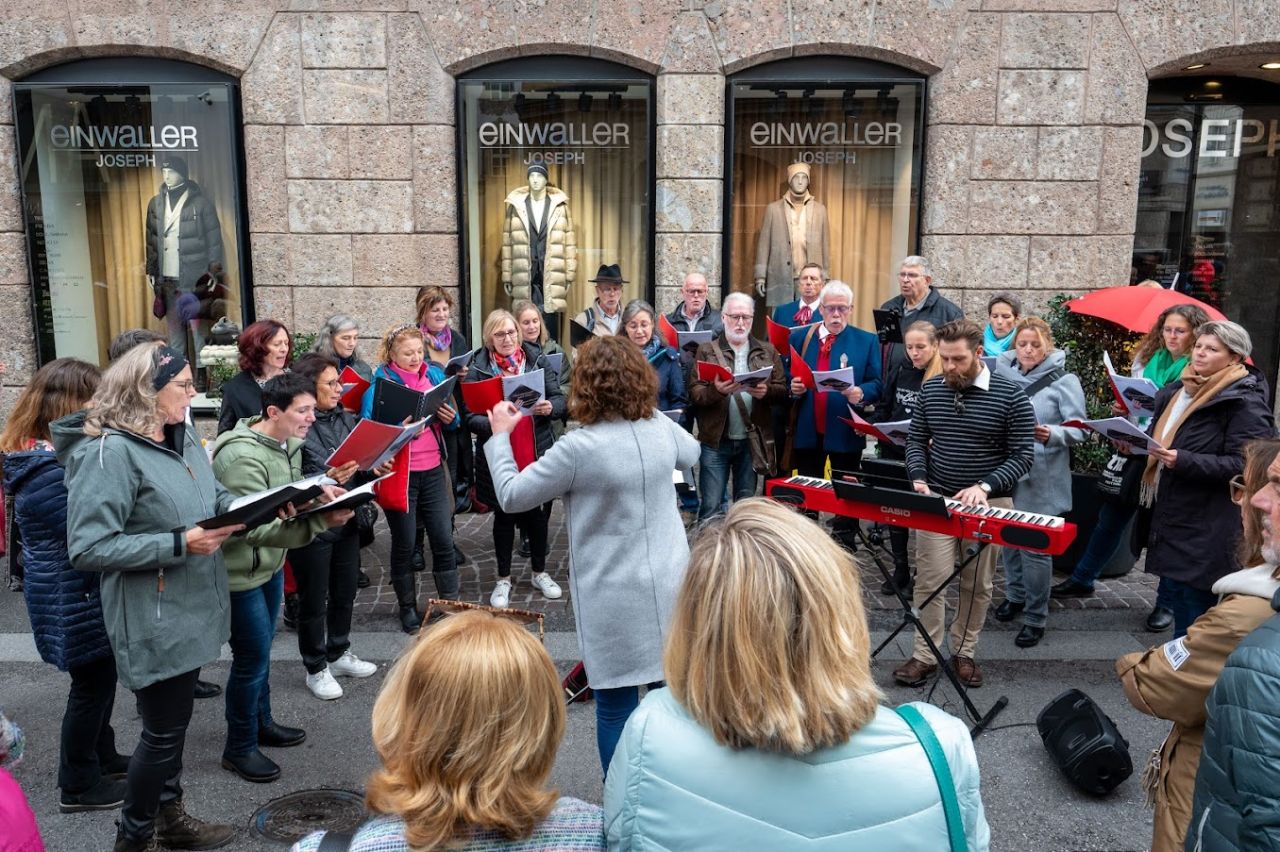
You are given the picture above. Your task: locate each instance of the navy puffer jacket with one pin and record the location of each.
(64, 604)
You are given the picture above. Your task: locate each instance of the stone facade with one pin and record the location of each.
(1033, 125)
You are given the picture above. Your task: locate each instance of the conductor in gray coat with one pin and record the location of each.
(627, 545)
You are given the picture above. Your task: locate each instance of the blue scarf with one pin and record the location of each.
(992, 345)
(653, 348)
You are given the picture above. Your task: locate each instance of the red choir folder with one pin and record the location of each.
(669, 332)
(779, 335)
(710, 372)
(482, 396)
(801, 370)
(355, 392)
(862, 427)
(371, 443)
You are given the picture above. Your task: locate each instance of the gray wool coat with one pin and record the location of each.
(627, 545)
(1047, 488)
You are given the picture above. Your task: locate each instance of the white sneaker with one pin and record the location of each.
(501, 597)
(550, 588)
(323, 686)
(349, 665)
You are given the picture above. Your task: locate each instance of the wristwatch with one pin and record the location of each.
(986, 489)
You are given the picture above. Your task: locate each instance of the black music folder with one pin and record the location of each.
(261, 507)
(394, 403)
(579, 333)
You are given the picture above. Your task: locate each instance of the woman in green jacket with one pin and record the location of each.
(259, 453)
(138, 482)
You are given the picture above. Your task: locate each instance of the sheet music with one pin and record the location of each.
(525, 390)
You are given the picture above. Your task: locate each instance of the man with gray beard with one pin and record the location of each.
(727, 410)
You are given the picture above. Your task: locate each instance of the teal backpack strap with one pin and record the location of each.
(941, 774)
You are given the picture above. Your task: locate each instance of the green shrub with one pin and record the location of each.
(1085, 339)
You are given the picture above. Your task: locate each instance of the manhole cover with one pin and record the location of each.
(292, 817)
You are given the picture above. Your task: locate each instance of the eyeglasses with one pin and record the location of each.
(187, 385)
(838, 310)
(504, 334)
(336, 384)
(1169, 329)
(739, 319)
(1237, 489)
(698, 292)
(910, 275)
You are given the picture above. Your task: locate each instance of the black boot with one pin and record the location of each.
(447, 584)
(362, 580)
(291, 611)
(124, 843)
(901, 579)
(419, 562)
(406, 596)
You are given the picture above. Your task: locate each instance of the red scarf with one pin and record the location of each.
(803, 316)
(510, 365)
(820, 401)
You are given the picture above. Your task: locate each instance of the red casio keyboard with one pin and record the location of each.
(933, 513)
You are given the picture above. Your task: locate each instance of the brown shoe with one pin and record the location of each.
(967, 671)
(914, 673)
(176, 829)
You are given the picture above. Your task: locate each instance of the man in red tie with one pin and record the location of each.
(819, 432)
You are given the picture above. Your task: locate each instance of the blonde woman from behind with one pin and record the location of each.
(769, 678)
(466, 728)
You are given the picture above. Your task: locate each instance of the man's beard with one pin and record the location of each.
(960, 381)
(736, 339)
(1271, 554)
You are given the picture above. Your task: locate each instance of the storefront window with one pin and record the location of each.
(132, 199)
(1208, 221)
(825, 169)
(556, 177)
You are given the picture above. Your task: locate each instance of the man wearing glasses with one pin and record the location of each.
(819, 432)
(726, 410)
(972, 438)
(917, 301)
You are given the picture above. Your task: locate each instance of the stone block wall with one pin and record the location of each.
(1032, 141)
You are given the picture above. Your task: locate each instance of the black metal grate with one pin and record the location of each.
(292, 817)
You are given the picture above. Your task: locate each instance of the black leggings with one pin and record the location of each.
(88, 741)
(156, 767)
(533, 523)
(325, 571)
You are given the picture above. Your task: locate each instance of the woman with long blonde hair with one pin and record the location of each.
(772, 727)
(466, 728)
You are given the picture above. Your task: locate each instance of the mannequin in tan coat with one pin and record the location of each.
(1172, 681)
(539, 251)
(794, 233)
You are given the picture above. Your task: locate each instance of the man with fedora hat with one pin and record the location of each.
(794, 233)
(183, 237)
(602, 317)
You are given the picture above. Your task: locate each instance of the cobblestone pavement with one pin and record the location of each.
(1135, 590)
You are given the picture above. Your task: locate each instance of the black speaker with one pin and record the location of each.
(1084, 743)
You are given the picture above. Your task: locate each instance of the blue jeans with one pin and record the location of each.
(1187, 604)
(1103, 543)
(253, 626)
(1028, 577)
(732, 457)
(613, 708)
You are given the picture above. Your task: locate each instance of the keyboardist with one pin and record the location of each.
(972, 438)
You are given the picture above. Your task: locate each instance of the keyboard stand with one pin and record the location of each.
(911, 617)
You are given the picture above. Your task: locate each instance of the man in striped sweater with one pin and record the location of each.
(972, 438)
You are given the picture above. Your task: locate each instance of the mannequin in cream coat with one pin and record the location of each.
(551, 261)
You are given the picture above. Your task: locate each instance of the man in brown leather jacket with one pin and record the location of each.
(727, 410)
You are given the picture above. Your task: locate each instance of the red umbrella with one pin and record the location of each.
(1135, 308)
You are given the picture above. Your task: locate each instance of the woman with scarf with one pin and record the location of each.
(435, 310)
(505, 354)
(1202, 423)
(638, 324)
(1003, 311)
(1160, 357)
(1038, 368)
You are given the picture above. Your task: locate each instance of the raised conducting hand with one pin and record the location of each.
(202, 542)
(343, 473)
(503, 418)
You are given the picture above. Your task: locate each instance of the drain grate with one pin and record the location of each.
(292, 817)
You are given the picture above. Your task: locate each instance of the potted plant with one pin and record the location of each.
(1085, 339)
